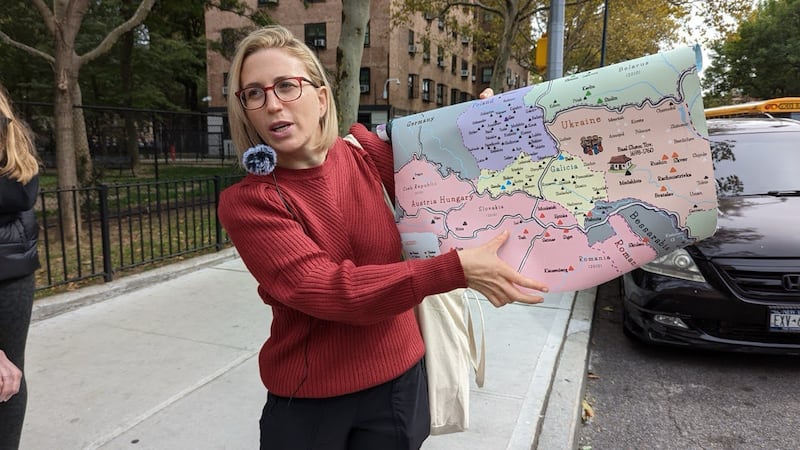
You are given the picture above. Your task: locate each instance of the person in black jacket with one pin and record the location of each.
(19, 231)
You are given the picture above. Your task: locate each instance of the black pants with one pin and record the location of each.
(16, 302)
(392, 416)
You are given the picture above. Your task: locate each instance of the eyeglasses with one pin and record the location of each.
(286, 90)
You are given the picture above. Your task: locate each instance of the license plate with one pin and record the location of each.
(787, 320)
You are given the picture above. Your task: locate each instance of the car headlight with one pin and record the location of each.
(677, 264)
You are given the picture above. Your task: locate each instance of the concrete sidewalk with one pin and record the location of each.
(168, 360)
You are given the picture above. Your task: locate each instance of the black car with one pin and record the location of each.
(740, 289)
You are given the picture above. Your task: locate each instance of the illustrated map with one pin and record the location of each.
(594, 174)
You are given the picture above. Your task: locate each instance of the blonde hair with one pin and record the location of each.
(18, 158)
(275, 36)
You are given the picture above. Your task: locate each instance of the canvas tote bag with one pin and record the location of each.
(445, 321)
(451, 352)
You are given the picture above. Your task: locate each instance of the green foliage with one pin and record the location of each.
(27, 78)
(634, 29)
(167, 61)
(168, 58)
(762, 59)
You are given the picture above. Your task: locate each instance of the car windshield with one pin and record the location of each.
(756, 163)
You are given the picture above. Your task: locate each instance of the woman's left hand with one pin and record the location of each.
(10, 378)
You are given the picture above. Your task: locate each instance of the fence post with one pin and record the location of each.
(217, 190)
(105, 233)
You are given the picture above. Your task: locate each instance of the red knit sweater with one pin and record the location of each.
(329, 266)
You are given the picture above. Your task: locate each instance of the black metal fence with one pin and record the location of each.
(116, 135)
(119, 227)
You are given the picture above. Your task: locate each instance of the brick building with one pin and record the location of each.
(404, 70)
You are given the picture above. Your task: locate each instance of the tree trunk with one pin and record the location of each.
(355, 15)
(65, 142)
(83, 157)
(510, 29)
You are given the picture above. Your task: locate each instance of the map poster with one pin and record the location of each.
(594, 174)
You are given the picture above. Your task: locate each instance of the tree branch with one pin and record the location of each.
(5, 38)
(47, 15)
(112, 37)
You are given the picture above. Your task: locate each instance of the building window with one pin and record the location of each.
(453, 64)
(413, 86)
(267, 2)
(440, 57)
(453, 96)
(426, 89)
(486, 75)
(426, 51)
(441, 94)
(412, 47)
(464, 97)
(364, 82)
(316, 35)
(366, 36)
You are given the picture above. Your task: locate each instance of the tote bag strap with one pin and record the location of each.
(478, 360)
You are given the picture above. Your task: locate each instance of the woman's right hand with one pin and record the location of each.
(494, 278)
(10, 378)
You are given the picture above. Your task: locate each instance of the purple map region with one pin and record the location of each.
(496, 130)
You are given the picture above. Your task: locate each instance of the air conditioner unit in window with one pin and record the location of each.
(412, 49)
(364, 88)
(225, 91)
(464, 73)
(473, 78)
(320, 42)
(426, 57)
(441, 63)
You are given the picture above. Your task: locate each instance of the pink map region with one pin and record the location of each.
(496, 130)
(484, 211)
(569, 259)
(422, 186)
(523, 233)
(569, 256)
(554, 214)
(650, 149)
(423, 222)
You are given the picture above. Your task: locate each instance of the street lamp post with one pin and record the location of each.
(386, 87)
(603, 39)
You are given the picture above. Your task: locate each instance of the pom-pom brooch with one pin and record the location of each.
(260, 159)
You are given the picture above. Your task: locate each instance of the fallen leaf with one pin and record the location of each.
(586, 411)
(609, 309)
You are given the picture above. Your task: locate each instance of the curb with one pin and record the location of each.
(54, 305)
(563, 409)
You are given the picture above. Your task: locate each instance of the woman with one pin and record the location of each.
(343, 361)
(19, 259)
